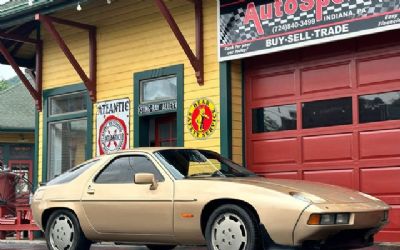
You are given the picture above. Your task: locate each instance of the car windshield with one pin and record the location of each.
(192, 163)
(72, 173)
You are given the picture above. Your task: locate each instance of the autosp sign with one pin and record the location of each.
(248, 28)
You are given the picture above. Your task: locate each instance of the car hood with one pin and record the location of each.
(328, 193)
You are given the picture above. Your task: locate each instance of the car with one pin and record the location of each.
(163, 197)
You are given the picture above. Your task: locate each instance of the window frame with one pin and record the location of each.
(47, 119)
(126, 155)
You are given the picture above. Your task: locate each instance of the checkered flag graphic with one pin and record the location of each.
(232, 28)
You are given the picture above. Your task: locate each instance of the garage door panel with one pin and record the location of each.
(344, 178)
(394, 218)
(282, 175)
(371, 180)
(340, 147)
(380, 143)
(378, 69)
(326, 77)
(273, 85)
(275, 151)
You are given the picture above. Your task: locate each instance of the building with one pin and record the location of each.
(293, 89)
(17, 129)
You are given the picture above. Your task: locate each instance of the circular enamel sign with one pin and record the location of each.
(113, 135)
(202, 118)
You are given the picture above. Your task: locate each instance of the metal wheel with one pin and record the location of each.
(62, 232)
(229, 232)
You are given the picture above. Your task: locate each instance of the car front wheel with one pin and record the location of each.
(230, 227)
(64, 232)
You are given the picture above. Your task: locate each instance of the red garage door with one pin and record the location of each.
(331, 114)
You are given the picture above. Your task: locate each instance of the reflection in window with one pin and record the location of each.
(276, 118)
(123, 169)
(68, 103)
(379, 107)
(327, 113)
(160, 89)
(67, 142)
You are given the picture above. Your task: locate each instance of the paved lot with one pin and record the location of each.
(39, 245)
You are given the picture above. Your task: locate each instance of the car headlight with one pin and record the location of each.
(309, 198)
(329, 219)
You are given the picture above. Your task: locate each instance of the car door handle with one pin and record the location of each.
(90, 190)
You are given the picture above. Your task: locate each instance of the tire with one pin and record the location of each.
(64, 232)
(160, 247)
(230, 227)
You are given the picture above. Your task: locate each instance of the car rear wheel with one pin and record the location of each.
(160, 247)
(230, 227)
(64, 232)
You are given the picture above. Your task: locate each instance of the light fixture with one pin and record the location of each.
(109, 1)
(79, 7)
(30, 2)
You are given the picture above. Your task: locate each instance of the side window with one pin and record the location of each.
(122, 170)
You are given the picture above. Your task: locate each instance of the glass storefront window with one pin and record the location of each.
(379, 107)
(276, 118)
(69, 103)
(327, 113)
(67, 143)
(159, 89)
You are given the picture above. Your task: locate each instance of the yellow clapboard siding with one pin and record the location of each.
(237, 138)
(132, 36)
(17, 137)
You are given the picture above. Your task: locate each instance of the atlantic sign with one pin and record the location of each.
(248, 28)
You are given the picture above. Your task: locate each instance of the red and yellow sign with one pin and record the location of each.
(202, 118)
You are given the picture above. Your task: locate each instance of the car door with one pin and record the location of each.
(113, 203)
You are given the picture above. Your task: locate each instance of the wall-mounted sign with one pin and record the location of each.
(248, 28)
(202, 118)
(156, 108)
(112, 126)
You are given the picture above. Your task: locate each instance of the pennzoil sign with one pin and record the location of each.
(248, 28)
(202, 118)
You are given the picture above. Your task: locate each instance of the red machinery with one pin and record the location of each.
(15, 212)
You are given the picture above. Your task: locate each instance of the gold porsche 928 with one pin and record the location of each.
(163, 197)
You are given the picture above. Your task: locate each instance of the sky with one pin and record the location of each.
(6, 72)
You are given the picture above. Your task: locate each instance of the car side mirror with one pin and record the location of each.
(146, 178)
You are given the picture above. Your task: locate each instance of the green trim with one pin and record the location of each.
(89, 115)
(139, 122)
(226, 108)
(36, 153)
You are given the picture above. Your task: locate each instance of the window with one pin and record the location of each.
(67, 130)
(69, 103)
(159, 89)
(72, 174)
(327, 113)
(379, 107)
(67, 142)
(276, 118)
(122, 170)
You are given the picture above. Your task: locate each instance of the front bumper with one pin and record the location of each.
(365, 221)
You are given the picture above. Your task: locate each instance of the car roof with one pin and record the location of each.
(146, 150)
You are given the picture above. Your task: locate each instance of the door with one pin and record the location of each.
(332, 118)
(165, 131)
(114, 204)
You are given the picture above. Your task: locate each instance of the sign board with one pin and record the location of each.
(112, 126)
(157, 108)
(202, 118)
(248, 28)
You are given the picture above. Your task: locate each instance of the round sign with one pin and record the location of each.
(112, 135)
(202, 118)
